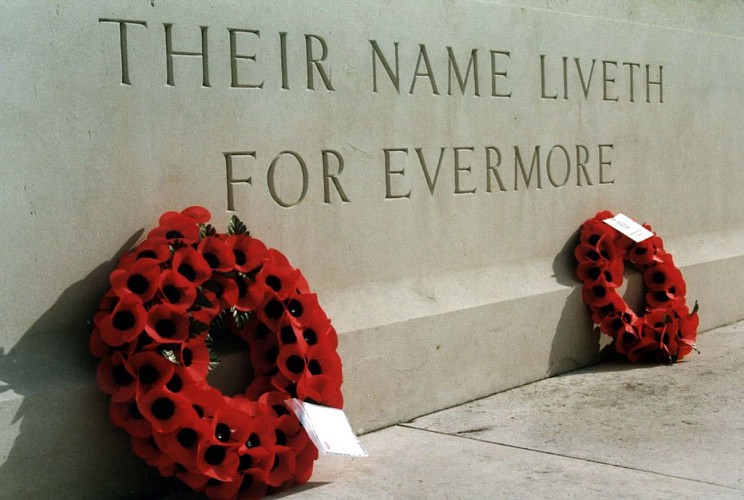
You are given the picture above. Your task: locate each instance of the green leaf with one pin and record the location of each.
(667, 319)
(241, 318)
(206, 230)
(197, 327)
(202, 301)
(695, 308)
(236, 226)
(169, 354)
(212, 286)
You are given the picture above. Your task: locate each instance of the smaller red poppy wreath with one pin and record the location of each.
(179, 290)
(667, 331)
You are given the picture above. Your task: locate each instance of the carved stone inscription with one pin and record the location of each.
(406, 171)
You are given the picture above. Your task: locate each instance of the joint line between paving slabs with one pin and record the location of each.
(545, 452)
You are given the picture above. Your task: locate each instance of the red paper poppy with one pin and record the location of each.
(116, 378)
(176, 290)
(191, 265)
(250, 294)
(217, 255)
(165, 410)
(249, 252)
(283, 467)
(320, 389)
(218, 461)
(174, 226)
(194, 359)
(156, 249)
(167, 324)
(182, 444)
(148, 450)
(127, 416)
(125, 322)
(152, 370)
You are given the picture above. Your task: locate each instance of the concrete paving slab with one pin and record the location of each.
(684, 420)
(415, 463)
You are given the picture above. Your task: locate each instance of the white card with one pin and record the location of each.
(328, 428)
(629, 228)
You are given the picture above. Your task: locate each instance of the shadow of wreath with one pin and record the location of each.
(66, 446)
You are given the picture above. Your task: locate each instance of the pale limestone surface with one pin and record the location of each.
(610, 431)
(91, 155)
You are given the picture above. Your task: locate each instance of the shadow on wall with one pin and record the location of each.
(67, 446)
(577, 341)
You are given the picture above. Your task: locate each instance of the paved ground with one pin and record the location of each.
(610, 431)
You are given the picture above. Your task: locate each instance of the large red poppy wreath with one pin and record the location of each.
(667, 330)
(184, 285)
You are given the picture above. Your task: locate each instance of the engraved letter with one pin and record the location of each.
(429, 182)
(272, 185)
(606, 79)
(231, 180)
(494, 73)
(234, 56)
(548, 165)
(585, 85)
(459, 169)
(169, 53)
(388, 172)
(377, 54)
(581, 164)
(332, 177)
(316, 62)
(542, 81)
(452, 65)
(519, 166)
(123, 44)
(630, 76)
(283, 58)
(649, 82)
(425, 57)
(603, 163)
(492, 168)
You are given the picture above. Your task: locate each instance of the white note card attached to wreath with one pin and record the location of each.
(629, 227)
(328, 428)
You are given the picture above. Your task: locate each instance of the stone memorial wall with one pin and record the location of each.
(426, 164)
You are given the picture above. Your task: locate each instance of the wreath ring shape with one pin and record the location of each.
(667, 331)
(173, 294)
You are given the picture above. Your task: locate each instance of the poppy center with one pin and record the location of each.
(187, 437)
(212, 260)
(123, 320)
(628, 338)
(147, 254)
(172, 293)
(138, 284)
(187, 271)
(600, 291)
(173, 234)
(271, 354)
(239, 257)
(658, 277)
(617, 324)
(594, 273)
(288, 335)
(280, 410)
(222, 433)
(310, 336)
(163, 408)
(281, 438)
(187, 355)
(593, 239)
(253, 440)
(276, 462)
(165, 328)
(242, 288)
(662, 296)
(314, 367)
(274, 309)
(273, 282)
(214, 455)
(148, 374)
(175, 384)
(122, 376)
(593, 255)
(295, 308)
